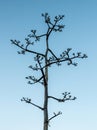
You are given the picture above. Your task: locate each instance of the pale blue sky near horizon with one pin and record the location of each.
(17, 18)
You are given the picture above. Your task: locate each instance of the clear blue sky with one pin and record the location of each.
(17, 18)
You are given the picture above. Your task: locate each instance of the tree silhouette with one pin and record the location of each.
(43, 61)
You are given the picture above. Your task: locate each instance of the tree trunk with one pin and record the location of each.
(45, 108)
(45, 125)
(46, 100)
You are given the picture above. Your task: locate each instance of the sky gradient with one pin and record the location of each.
(17, 18)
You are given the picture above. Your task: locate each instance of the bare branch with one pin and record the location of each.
(15, 42)
(55, 115)
(37, 37)
(66, 96)
(35, 67)
(41, 68)
(65, 56)
(27, 100)
(53, 26)
(47, 20)
(52, 53)
(35, 80)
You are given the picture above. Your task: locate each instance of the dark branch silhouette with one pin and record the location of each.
(66, 96)
(24, 49)
(45, 60)
(27, 100)
(55, 115)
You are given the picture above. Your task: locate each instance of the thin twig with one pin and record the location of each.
(53, 54)
(66, 96)
(25, 49)
(55, 115)
(27, 100)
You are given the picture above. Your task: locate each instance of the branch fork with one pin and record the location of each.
(45, 60)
